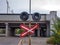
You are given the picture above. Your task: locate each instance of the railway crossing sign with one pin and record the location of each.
(28, 30)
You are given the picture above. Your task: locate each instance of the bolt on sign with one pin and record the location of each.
(28, 30)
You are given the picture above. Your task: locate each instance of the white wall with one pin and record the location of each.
(50, 17)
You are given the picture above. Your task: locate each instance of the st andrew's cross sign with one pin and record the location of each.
(28, 30)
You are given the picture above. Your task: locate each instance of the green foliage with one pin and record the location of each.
(56, 31)
(2, 31)
(56, 25)
(51, 40)
(19, 31)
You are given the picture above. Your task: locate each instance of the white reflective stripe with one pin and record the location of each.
(30, 31)
(24, 27)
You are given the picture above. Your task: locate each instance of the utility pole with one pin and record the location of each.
(7, 6)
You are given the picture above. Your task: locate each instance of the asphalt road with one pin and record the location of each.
(15, 40)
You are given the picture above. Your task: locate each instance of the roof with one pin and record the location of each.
(16, 14)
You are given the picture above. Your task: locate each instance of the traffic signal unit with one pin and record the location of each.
(27, 17)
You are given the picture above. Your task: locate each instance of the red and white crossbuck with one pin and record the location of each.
(28, 30)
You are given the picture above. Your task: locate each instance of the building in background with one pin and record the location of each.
(10, 22)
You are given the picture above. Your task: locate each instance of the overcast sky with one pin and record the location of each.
(41, 6)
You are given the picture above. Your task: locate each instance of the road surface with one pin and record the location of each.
(15, 40)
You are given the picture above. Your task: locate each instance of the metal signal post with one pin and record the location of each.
(29, 22)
